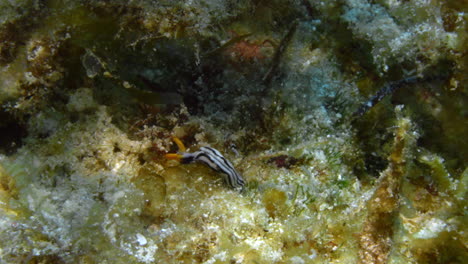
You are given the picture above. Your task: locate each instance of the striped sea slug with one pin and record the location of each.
(213, 159)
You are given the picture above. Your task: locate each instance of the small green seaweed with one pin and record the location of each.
(342, 184)
(438, 171)
(462, 185)
(298, 205)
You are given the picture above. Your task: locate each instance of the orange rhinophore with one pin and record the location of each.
(177, 156)
(173, 156)
(179, 144)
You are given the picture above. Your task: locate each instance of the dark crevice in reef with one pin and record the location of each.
(437, 111)
(12, 133)
(14, 34)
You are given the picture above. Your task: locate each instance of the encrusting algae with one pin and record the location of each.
(94, 95)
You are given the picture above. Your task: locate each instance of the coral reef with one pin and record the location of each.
(346, 119)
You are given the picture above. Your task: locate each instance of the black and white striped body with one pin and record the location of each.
(215, 160)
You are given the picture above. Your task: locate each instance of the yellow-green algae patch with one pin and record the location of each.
(86, 191)
(111, 202)
(174, 213)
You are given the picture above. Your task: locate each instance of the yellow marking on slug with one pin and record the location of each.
(173, 156)
(179, 143)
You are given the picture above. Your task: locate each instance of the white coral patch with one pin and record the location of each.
(431, 228)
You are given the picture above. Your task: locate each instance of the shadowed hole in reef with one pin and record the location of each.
(12, 133)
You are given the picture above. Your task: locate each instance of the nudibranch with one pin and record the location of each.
(213, 159)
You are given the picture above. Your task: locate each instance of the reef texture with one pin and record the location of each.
(346, 118)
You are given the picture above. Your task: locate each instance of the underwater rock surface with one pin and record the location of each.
(347, 120)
